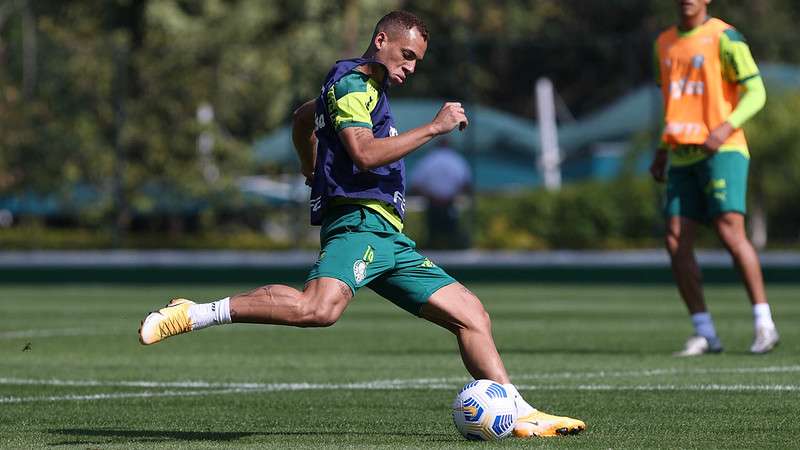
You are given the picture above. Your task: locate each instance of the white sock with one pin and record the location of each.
(523, 408)
(704, 326)
(208, 314)
(762, 315)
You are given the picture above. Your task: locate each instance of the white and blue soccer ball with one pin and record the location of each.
(484, 410)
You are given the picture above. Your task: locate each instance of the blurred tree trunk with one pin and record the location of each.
(29, 47)
(127, 19)
(6, 9)
(758, 221)
(119, 93)
(351, 17)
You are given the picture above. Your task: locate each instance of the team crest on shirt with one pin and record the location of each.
(360, 265)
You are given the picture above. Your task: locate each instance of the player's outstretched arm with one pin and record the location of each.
(368, 152)
(305, 142)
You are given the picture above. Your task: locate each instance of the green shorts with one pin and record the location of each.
(360, 248)
(708, 188)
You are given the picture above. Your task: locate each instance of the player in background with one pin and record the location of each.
(352, 156)
(711, 86)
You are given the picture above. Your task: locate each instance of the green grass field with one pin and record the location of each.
(383, 379)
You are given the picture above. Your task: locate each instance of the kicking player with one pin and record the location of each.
(711, 86)
(352, 156)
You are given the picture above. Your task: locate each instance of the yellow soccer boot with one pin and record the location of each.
(170, 320)
(541, 424)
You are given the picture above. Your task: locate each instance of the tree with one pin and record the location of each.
(774, 141)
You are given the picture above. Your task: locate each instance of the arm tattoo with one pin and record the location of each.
(467, 291)
(344, 289)
(361, 133)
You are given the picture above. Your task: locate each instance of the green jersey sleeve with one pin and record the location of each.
(737, 61)
(738, 66)
(351, 100)
(751, 101)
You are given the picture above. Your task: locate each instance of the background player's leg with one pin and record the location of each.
(680, 237)
(731, 231)
(456, 308)
(320, 304)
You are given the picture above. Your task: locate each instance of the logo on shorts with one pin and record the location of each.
(360, 265)
(717, 188)
(427, 263)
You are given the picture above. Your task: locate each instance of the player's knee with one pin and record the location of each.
(730, 235)
(677, 247)
(672, 243)
(728, 239)
(477, 319)
(325, 318)
(318, 313)
(316, 319)
(484, 321)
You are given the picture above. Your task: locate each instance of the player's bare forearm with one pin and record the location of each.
(305, 142)
(368, 152)
(717, 137)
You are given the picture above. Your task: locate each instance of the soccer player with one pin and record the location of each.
(711, 86)
(352, 156)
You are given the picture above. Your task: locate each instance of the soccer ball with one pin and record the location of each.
(483, 410)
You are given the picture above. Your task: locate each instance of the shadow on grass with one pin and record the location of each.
(571, 351)
(86, 436)
(101, 436)
(519, 351)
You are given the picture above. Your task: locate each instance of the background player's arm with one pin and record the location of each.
(305, 142)
(738, 66)
(368, 152)
(658, 167)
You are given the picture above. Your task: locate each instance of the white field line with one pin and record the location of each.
(53, 332)
(366, 386)
(216, 388)
(418, 383)
(659, 372)
(632, 373)
(668, 387)
(74, 397)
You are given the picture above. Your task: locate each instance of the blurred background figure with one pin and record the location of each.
(709, 92)
(441, 176)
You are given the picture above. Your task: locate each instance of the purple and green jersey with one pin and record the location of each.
(350, 98)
